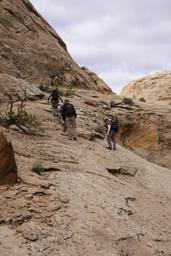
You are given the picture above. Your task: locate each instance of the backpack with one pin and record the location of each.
(55, 95)
(68, 111)
(114, 126)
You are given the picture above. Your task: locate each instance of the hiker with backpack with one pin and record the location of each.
(112, 129)
(54, 99)
(69, 116)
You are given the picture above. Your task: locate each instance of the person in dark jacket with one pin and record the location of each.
(54, 99)
(69, 116)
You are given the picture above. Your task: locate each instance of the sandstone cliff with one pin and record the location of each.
(31, 50)
(153, 88)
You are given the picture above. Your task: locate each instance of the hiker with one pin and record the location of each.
(69, 116)
(61, 118)
(112, 128)
(54, 98)
(55, 82)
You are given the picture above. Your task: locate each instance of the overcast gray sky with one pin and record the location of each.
(120, 40)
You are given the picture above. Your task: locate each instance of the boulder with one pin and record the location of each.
(8, 168)
(17, 87)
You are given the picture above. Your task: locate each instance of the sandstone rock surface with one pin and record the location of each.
(153, 88)
(83, 209)
(8, 168)
(16, 88)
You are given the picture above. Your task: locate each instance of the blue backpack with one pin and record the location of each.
(114, 126)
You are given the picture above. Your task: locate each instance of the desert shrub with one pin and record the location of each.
(142, 99)
(128, 101)
(83, 68)
(23, 118)
(69, 90)
(18, 116)
(38, 168)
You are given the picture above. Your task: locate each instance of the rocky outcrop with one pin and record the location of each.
(31, 50)
(153, 88)
(8, 168)
(17, 87)
(103, 87)
(148, 133)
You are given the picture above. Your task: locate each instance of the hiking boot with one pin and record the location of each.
(108, 148)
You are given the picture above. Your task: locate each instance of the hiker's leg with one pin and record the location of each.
(53, 111)
(109, 141)
(111, 144)
(57, 110)
(73, 122)
(68, 127)
(113, 140)
(54, 107)
(64, 126)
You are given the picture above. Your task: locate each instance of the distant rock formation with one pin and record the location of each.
(31, 50)
(152, 88)
(8, 168)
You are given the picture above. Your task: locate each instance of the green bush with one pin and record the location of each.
(38, 168)
(142, 99)
(70, 89)
(26, 121)
(23, 118)
(128, 101)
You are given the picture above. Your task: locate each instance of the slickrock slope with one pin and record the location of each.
(94, 202)
(153, 88)
(31, 50)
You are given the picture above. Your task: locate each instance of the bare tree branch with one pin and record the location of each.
(26, 122)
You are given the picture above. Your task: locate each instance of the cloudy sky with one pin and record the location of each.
(120, 40)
